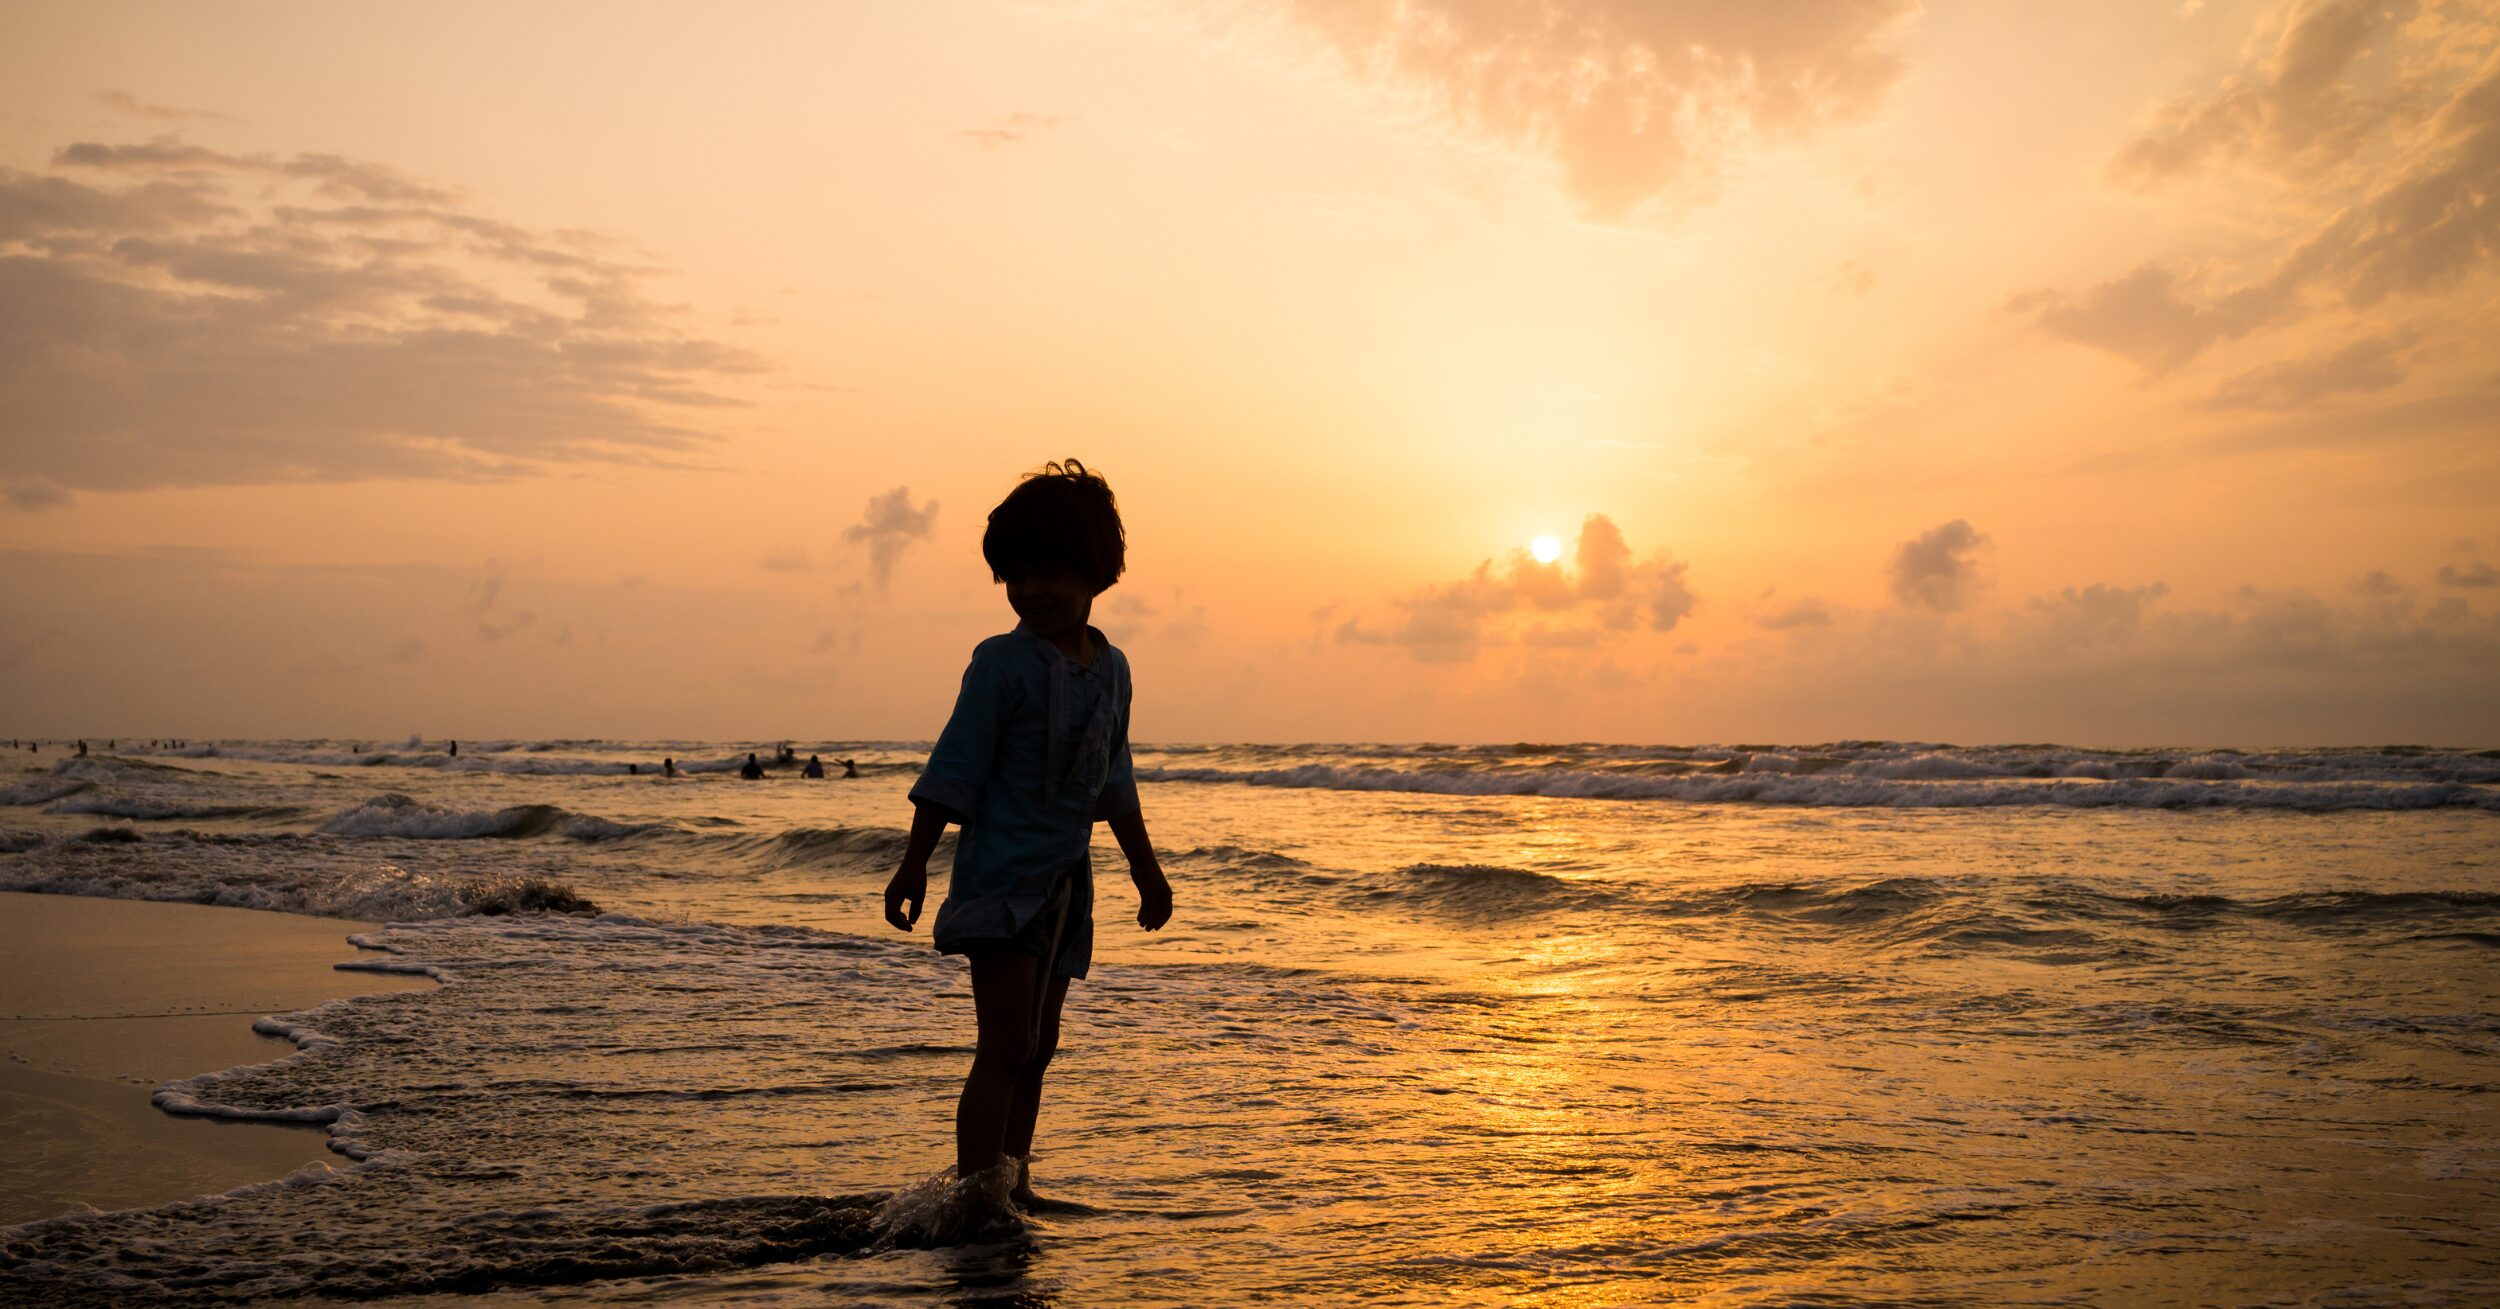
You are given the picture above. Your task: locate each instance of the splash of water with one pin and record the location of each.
(943, 1209)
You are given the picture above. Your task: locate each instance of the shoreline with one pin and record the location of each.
(105, 1000)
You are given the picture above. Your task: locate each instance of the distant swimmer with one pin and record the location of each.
(753, 770)
(785, 755)
(455, 750)
(633, 770)
(849, 769)
(82, 749)
(668, 767)
(815, 768)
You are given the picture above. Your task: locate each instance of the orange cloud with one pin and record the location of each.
(1634, 99)
(1938, 569)
(1014, 129)
(203, 325)
(2378, 125)
(1520, 602)
(125, 102)
(890, 525)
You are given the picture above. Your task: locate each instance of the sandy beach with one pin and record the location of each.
(102, 1000)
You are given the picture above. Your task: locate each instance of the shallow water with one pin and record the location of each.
(1431, 1026)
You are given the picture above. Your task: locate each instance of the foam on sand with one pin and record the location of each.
(108, 998)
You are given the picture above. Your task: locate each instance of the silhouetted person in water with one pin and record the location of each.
(668, 766)
(849, 769)
(455, 749)
(1034, 755)
(633, 770)
(753, 771)
(785, 755)
(815, 768)
(82, 749)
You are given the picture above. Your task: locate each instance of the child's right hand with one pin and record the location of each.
(910, 886)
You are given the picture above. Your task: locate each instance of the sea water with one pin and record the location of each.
(1863, 1022)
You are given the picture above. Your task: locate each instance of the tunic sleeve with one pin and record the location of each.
(959, 764)
(1119, 788)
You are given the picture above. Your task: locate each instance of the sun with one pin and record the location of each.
(1546, 549)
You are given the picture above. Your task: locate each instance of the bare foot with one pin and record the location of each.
(1022, 1196)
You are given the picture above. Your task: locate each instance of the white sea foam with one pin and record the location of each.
(39, 790)
(160, 808)
(326, 888)
(943, 1210)
(1855, 789)
(400, 815)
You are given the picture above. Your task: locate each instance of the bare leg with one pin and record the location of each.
(1027, 1103)
(1003, 987)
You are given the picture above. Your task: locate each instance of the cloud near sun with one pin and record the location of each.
(1605, 593)
(180, 316)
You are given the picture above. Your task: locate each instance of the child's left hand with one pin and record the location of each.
(1154, 898)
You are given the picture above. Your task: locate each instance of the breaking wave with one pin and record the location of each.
(1902, 784)
(403, 816)
(376, 892)
(154, 808)
(1484, 891)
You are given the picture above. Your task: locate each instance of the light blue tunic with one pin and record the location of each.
(1034, 755)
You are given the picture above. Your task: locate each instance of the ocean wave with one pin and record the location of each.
(1484, 891)
(68, 777)
(399, 815)
(156, 808)
(2070, 920)
(810, 847)
(1854, 790)
(1242, 858)
(1901, 761)
(42, 790)
(2315, 906)
(376, 893)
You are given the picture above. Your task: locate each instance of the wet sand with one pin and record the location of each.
(102, 1000)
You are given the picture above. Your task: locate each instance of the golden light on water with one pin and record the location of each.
(1546, 549)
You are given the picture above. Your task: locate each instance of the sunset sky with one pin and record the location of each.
(2105, 372)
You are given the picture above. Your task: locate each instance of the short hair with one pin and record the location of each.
(1061, 515)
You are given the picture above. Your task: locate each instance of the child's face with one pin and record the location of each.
(1051, 600)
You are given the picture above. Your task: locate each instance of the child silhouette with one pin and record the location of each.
(1035, 753)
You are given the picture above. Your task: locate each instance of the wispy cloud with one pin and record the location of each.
(189, 316)
(2371, 131)
(2118, 662)
(125, 102)
(1014, 129)
(888, 528)
(2373, 363)
(1635, 100)
(29, 494)
(493, 618)
(2292, 105)
(2477, 575)
(1808, 612)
